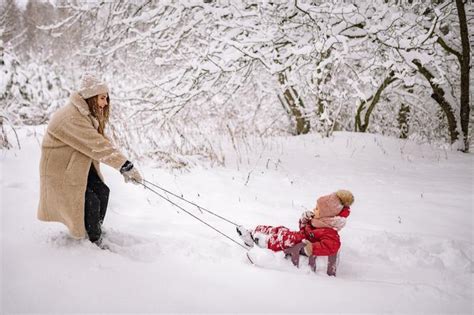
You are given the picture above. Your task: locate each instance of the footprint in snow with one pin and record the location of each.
(134, 247)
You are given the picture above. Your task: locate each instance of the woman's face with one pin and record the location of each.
(102, 100)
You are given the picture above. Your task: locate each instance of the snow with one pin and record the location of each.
(406, 248)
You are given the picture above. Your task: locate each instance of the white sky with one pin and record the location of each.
(22, 3)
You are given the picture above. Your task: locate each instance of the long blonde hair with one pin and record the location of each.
(102, 115)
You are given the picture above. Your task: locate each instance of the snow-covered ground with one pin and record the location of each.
(407, 246)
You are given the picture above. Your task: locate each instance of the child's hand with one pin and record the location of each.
(307, 216)
(305, 219)
(308, 248)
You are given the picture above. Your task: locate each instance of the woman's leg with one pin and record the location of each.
(100, 189)
(96, 200)
(92, 215)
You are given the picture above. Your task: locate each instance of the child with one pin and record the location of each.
(318, 228)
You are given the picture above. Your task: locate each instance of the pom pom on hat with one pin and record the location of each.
(332, 204)
(346, 197)
(91, 86)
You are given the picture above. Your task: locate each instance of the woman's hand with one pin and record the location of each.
(133, 175)
(130, 173)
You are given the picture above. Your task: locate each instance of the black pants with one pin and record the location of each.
(96, 199)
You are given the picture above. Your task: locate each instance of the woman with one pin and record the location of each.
(72, 189)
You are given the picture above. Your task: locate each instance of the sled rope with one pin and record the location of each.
(178, 206)
(190, 202)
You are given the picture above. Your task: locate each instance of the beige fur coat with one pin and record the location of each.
(70, 145)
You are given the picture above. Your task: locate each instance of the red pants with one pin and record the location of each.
(280, 237)
(325, 240)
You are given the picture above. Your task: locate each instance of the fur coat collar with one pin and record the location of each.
(83, 108)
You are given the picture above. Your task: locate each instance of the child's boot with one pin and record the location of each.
(245, 235)
(261, 239)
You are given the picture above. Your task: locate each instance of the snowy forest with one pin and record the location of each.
(237, 114)
(185, 74)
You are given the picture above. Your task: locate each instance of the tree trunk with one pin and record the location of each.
(403, 120)
(294, 105)
(374, 99)
(464, 73)
(438, 96)
(4, 143)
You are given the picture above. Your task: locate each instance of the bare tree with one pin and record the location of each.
(465, 71)
(179, 66)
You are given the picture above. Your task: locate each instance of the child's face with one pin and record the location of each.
(316, 211)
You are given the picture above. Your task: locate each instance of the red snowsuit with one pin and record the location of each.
(325, 240)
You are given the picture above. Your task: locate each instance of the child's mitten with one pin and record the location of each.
(307, 216)
(308, 248)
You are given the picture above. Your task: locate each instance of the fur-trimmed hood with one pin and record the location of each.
(81, 105)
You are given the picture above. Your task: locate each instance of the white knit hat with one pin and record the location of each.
(91, 86)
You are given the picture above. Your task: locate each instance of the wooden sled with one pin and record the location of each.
(295, 252)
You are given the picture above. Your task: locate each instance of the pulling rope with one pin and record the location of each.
(190, 202)
(200, 220)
